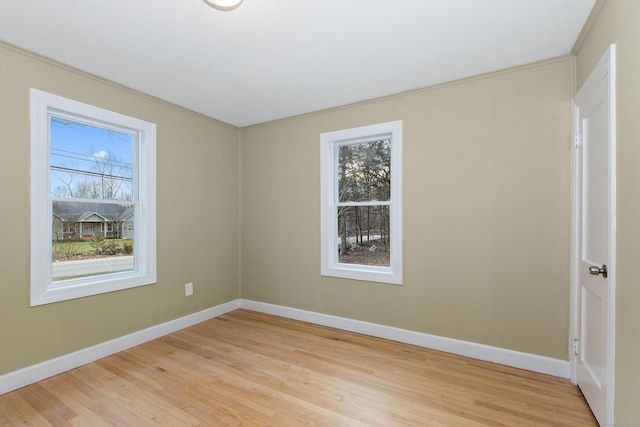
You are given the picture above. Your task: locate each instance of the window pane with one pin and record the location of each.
(363, 235)
(364, 171)
(91, 238)
(90, 162)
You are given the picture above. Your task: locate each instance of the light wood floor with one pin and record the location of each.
(251, 369)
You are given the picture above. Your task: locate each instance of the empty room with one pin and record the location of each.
(356, 213)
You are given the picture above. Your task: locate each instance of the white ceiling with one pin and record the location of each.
(271, 59)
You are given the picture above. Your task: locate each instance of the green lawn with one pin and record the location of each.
(68, 248)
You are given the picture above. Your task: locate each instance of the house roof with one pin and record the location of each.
(81, 211)
(271, 59)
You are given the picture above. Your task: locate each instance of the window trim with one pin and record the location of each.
(328, 193)
(144, 270)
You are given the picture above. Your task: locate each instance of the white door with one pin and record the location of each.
(594, 243)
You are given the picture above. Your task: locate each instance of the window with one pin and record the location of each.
(92, 200)
(361, 186)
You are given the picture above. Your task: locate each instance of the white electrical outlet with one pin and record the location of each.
(188, 289)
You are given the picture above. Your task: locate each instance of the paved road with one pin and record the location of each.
(88, 267)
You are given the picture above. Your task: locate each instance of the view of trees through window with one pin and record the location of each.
(92, 199)
(90, 162)
(364, 196)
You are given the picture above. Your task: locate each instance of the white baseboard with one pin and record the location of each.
(517, 359)
(31, 374)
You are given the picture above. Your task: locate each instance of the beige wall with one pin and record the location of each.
(197, 184)
(618, 22)
(486, 212)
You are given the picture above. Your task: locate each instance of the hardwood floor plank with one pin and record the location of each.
(47, 405)
(17, 412)
(251, 369)
(75, 401)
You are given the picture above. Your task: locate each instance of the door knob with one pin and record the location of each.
(595, 270)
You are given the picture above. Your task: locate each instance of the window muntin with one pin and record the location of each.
(361, 203)
(93, 179)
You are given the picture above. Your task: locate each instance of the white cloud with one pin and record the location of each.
(101, 155)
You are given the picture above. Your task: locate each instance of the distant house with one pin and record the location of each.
(85, 220)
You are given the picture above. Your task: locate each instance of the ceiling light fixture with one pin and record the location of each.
(224, 4)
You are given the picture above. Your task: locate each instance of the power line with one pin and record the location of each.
(89, 158)
(90, 173)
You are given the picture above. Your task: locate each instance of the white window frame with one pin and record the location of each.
(329, 141)
(43, 291)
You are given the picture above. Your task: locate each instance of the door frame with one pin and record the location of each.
(605, 69)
